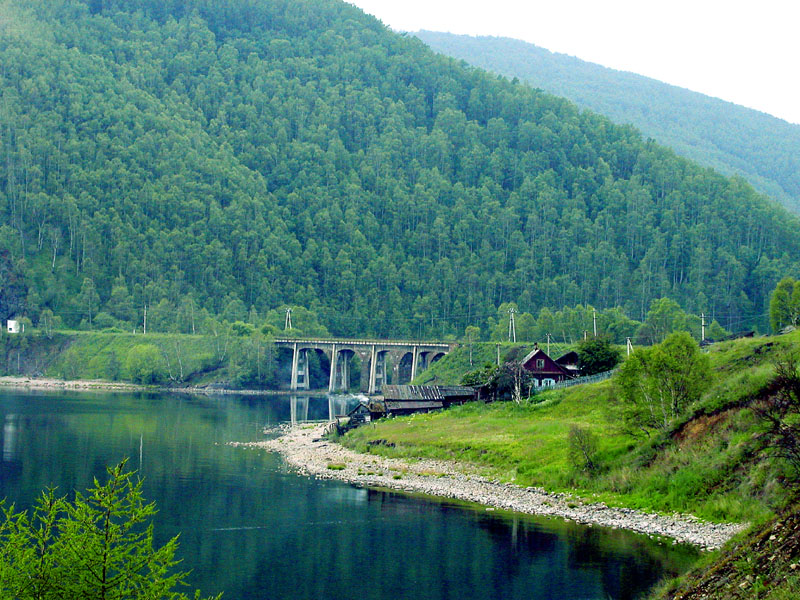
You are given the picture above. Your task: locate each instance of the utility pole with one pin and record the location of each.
(594, 321)
(497, 347)
(512, 327)
(144, 329)
(287, 324)
(702, 326)
(548, 343)
(629, 345)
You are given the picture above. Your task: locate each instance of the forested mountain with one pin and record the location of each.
(730, 138)
(223, 158)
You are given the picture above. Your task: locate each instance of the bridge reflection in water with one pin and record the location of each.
(310, 409)
(381, 361)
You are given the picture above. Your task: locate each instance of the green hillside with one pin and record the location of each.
(216, 160)
(732, 139)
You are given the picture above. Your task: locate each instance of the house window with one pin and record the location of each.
(540, 363)
(548, 382)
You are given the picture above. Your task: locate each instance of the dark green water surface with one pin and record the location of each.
(253, 530)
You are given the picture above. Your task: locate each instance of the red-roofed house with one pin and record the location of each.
(544, 369)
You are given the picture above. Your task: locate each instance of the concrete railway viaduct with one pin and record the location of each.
(374, 356)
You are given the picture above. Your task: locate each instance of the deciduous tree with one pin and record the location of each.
(657, 384)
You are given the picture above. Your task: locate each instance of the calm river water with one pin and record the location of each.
(254, 531)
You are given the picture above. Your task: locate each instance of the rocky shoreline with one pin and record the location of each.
(48, 383)
(52, 384)
(308, 453)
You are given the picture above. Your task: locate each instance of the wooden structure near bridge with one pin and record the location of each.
(408, 399)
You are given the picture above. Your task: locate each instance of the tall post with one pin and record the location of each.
(144, 328)
(295, 360)
(414, 361)
(548, 344)
(373, 369)
(629, 345)
(497, 347)
(332, 378)
(594, 321)
(512, 327)
(287, 324)
(702, 326)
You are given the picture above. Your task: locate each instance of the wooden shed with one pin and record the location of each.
(408, 399)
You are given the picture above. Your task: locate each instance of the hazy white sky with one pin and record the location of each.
(747, 52)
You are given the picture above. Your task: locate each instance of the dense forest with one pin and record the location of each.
(730, 138)
(205, 160)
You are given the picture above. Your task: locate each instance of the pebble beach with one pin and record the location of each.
(308, 453)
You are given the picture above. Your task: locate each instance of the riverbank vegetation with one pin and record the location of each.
(709, 461)
(246, 361)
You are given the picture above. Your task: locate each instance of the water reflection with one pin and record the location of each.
(9, 437)
(306, 409)
(253, 530)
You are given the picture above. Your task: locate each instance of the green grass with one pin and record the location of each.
(709, 465)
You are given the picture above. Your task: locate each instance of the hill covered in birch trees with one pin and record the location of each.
(219, 160)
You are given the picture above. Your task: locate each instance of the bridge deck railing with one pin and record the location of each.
(364, 342)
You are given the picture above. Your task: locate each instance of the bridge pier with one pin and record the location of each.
(339, 378)
(303, 371)
(301, 375)
(332, 376)
(344, 375)
(414, 362)
(380, 372)
(295, 358)
(366, 370)
(377, 370)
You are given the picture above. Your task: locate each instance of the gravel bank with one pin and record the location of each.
(307, 453)
(47, 383)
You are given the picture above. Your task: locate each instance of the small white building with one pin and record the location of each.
(13, 326)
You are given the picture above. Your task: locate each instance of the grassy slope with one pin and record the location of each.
(450, 369)
(709, 465)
